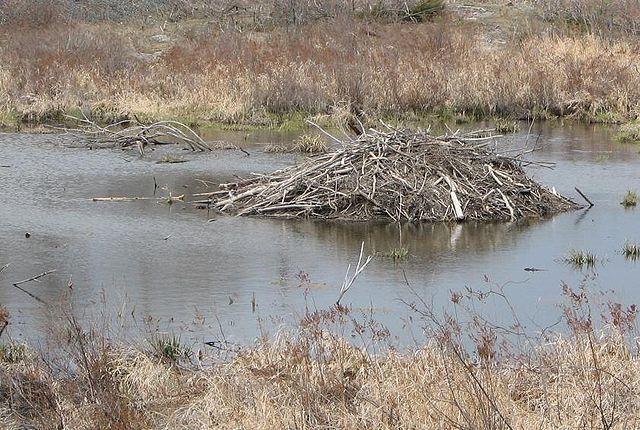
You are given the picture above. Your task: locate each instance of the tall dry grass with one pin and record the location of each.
(470, 375)
(602, 17)
(209, 73)
(382, 69)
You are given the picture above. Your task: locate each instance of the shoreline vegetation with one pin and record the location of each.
(274, 64)
(337, 368)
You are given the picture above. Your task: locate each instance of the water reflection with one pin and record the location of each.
(175, 262)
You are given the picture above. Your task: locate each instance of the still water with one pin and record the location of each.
(208, 273)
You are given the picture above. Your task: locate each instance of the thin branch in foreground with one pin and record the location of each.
(349, 280)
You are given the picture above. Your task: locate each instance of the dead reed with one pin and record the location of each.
(112, 71)
(313, 378)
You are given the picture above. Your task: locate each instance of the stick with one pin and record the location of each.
(33, 278)
(591, 204)
(348, 282)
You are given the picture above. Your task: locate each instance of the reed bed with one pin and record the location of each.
(320, 381)
(401, 176)
(257, 78)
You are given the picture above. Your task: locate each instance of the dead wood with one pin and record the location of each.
(398, 175)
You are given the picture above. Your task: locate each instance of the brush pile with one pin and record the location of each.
(400, 176)
(135, 134)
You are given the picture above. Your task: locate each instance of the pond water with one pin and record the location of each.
(209, 273)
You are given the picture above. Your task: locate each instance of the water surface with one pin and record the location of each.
(182, 265)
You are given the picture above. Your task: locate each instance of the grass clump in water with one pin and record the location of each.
(171, 159)
(310, 144)
(505, 126)
(631, 251)
(580, 259)
(274, 148)
(629, 133)
(630, 199)
(396, 253)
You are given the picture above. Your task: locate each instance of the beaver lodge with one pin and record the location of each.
(399, 176)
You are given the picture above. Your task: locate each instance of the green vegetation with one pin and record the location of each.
(170, 348)
(631, 251)
(630, 199)
(424, 9)
(580, 259)
(399, 253)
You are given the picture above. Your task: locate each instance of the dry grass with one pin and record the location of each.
(316, 380)
(257, 77)
(603, 17)
(311, 144)
(468, 373)
(629, 133)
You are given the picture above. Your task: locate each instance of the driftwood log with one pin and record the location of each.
(400, 176)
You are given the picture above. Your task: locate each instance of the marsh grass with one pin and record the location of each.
(222, 145)
(631, 251)
(170, 348)
(318, 374)
(276, 148)
(398, 253)
(506, 126)
(310, 144)
(221, 76)
(580, 259)
(630, 199)
(629, 133)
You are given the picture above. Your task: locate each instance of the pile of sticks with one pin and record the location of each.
(135, 134)
(401, 176)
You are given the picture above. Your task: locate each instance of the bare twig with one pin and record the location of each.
(350, 279)
(33, 278)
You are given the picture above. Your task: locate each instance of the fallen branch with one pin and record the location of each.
(133, 133)
(591, 204)
(33, 278)
(131, 199)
